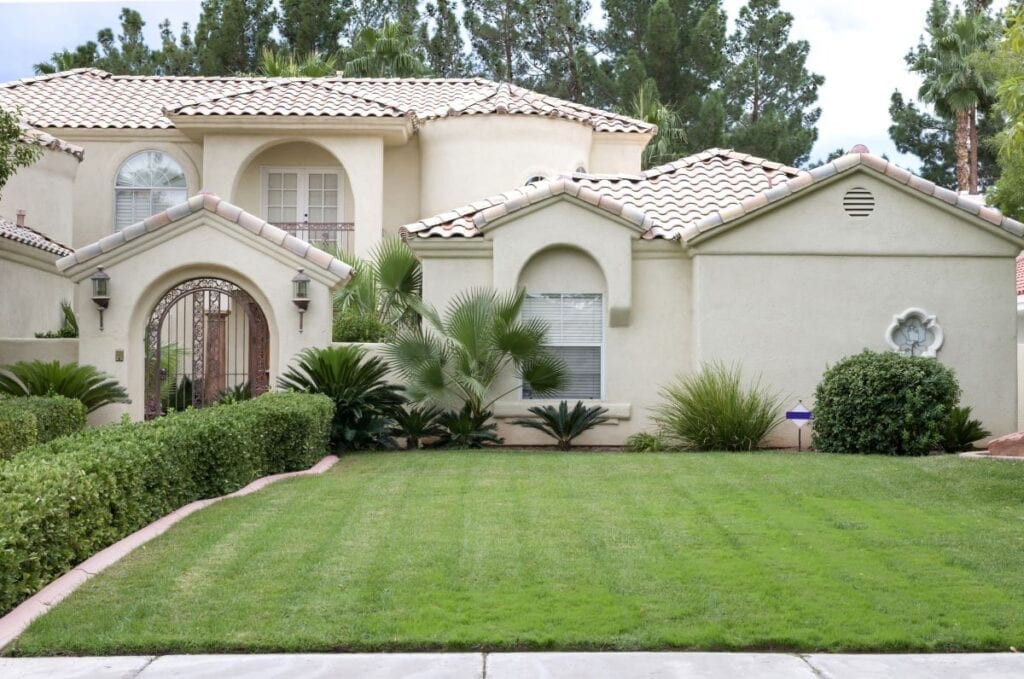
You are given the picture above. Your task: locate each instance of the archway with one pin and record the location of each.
(207, 340)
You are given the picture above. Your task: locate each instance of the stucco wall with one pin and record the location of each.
(465, 158)
(199, 245)
(402, 186)
(805, 285)
(32, 291)
(44, 190)
(64, 350)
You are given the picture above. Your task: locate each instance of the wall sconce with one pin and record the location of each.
(100, 291)
(300, 293)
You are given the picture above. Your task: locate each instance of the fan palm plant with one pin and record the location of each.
(288, 65)
(670, 141)
(563, 424)
(383, 293)
(363, 398)
(461, 356)
(93, 388)
(386, 53)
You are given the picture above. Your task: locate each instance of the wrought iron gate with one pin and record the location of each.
(207, 341)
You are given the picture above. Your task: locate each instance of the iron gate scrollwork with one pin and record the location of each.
(207, 341)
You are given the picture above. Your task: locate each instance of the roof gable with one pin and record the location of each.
(247, 225)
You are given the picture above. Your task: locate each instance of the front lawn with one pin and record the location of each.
(500, 550)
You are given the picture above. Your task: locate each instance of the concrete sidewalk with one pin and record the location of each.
(524, 666)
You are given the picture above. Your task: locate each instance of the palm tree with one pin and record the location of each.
(460, 356)
(288, 65)
(386, 53)
(957, 86)
(386, 286)
(668, 143)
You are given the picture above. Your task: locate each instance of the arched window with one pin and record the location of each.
(148, 182)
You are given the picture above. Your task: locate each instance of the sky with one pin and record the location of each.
(858, 45)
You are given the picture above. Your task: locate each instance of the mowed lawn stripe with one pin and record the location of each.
(534, 550)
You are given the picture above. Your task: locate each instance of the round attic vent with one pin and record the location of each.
(858, 202)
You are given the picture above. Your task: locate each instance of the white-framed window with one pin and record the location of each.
(576, 335)
(148, 182)
(306, 195)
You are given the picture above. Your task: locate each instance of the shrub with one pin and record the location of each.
(563, 424)
(466, 429)
(711, 410)
(83, 382)
(65, 500)
(51, 416)
(645, 442)
(68, 325)
(962, 431)
(18, 430)
(884, 403)
(417, 423)
(351, 325)
(363, 399)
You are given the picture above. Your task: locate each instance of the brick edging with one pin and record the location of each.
(16, 621)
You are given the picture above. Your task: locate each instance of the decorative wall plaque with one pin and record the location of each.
(914, 333)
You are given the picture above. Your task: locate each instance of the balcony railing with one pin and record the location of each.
(324, 235)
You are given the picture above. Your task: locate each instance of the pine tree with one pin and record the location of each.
(560, 50)
(231, 35)
(175, 56)
(769, 94)
(313, 25)
(125, 53)
(375, 13)
(497, 36)
(442, 41)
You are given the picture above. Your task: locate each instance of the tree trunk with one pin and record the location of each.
(974, 150)
(963, 169)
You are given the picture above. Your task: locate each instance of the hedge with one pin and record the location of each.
(65, 500)
(52, 417)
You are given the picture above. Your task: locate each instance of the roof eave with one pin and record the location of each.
(395, 130)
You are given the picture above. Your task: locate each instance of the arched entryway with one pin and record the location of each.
(207, 340)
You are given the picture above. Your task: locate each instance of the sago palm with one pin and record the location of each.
(460, 356)
(93, 388)
(563, 424)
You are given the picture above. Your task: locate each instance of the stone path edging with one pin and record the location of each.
(982, 455)
(15, 622)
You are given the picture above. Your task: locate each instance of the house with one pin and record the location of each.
(205, 215)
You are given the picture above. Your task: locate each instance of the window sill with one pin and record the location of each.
(510, 409)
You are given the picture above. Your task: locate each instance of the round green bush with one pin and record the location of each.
(884, 403)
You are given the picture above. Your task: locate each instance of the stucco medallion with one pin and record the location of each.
(914, 333)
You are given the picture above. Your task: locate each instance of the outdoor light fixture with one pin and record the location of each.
(300, 293)
(100, 291)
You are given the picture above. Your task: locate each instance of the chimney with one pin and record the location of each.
(20, 220)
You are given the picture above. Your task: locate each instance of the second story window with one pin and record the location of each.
(147, 183)
(307, 203)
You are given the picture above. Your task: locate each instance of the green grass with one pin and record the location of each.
(499, 550)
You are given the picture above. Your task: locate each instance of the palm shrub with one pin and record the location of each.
(646, 442)
(382, 295)
(459, 357)
(467, 429)
(563, 424)
(712, 410)
(363, 398)
(884, 403)
(416, 423)
(92, 387)
(962, 431)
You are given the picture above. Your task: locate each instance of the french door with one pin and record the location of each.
(306, 202)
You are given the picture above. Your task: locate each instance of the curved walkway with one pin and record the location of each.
(15, 622)
(524, 666)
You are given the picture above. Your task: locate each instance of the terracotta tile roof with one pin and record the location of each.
(46, 140)
(692, 196)
(662, 200)
(29, 236)
(210, 203)
(90, 98)
(1020, 275)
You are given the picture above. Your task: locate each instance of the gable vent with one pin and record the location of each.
(858, 202)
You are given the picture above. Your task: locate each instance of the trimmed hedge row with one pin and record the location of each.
(65, 500)
(28, 420)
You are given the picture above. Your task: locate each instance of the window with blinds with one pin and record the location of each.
(576, 335)
(147, 183)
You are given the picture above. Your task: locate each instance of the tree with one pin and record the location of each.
(231, 35)
(176, 56)
(1009, 189)
(309, 26)
(443, 44)
(125, 53)
(385, 53)
(953, 81)
(559, 50)
(83, 56)
(15, 151)
(497, 35)
(375, 13)
(463, 354)
(769, 94)
(284, 64)
(670, 141)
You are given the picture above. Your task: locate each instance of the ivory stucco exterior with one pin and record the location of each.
(784, 294)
